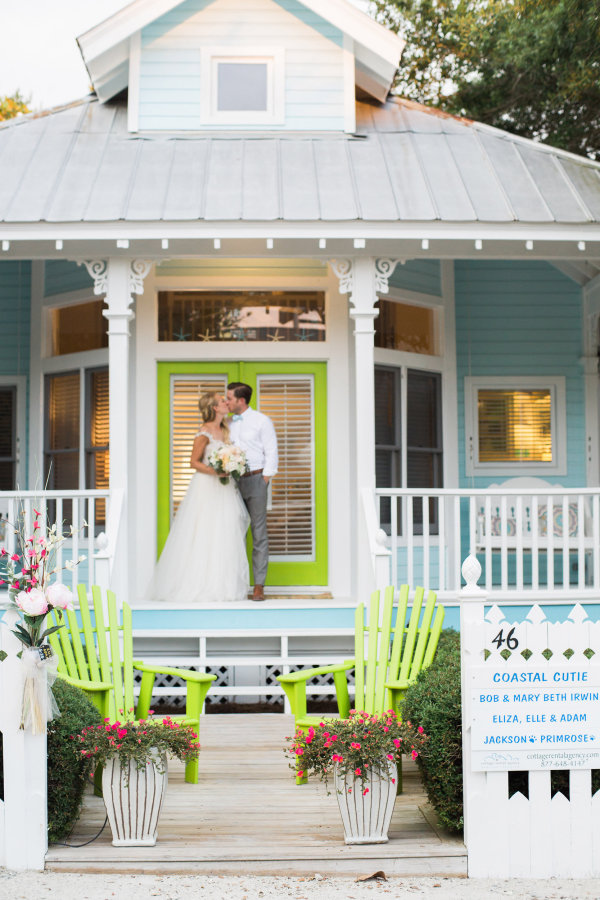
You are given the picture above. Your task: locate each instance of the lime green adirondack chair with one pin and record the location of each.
(87, 660)
(395, 654)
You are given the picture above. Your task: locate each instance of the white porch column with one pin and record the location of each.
(362, 278)
(118, 279)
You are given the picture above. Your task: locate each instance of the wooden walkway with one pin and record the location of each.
(248, 816)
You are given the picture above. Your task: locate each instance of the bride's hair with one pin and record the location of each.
(206, 405)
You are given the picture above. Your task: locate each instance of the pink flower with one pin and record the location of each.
(33, 602)
(357, 771)
(59, 596)
(337, 758)
(3, 552)
(355, 745)
(300, 774)
(414, 754)
(397, 742)
(389, 756)
(366, 791)
(15, 557)
(421, 730)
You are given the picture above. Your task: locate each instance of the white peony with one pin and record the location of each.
(59, 596)
(33, 602)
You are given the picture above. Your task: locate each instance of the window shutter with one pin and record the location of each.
(62, 434)
(8, 438)
(289, 403)
(98, 453)
(185, 425)
(515, 425)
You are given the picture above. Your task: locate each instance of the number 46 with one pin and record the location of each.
(511, 641)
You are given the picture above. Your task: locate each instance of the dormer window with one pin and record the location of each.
(243, 89)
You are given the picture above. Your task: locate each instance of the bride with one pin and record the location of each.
(204, 559)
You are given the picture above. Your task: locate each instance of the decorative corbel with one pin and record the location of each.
(138, 271)
(384, 269)
(344, 271)
(98, 271)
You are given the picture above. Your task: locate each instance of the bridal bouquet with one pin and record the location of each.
(228, 460)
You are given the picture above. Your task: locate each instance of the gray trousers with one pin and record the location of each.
(254, 493)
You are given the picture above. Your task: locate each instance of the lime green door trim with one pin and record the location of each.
(312, 572)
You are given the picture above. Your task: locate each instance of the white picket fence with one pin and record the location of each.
(540, 835)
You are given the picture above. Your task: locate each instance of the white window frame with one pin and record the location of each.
(275, 60)
(19, 382)
(558, 422)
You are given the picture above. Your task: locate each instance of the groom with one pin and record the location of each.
(255, 434)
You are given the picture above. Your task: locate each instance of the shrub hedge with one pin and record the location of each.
(67, 771)
(433, 701)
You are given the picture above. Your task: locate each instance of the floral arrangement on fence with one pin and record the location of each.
(140, 742)
(28, 573)
(355, 745)
(227, 461)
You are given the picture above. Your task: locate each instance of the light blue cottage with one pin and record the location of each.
(414, 297)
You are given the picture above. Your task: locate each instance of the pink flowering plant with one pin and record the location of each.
(356, 745)
(28, 573)
(141, 742)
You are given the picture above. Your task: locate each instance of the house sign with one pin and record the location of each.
(544, 717)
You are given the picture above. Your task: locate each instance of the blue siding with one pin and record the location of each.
(521, 318)
(61, 276)
(15, 306)
(422, 275)
(171, 90)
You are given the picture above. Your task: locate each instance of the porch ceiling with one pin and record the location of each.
(408, 170)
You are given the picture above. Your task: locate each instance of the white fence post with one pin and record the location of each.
(472, 617)
(24, 815)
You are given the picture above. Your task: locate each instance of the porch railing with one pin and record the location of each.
(545, 543)
(87, 513)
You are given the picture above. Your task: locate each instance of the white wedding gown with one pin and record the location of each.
(204, 559)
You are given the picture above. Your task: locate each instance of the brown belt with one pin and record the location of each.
(254, 472)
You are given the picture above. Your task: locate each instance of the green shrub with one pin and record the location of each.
(434, 702)
(67, 771)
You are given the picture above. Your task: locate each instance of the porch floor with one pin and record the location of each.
(248, 816)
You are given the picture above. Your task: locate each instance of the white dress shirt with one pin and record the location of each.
(255, 434)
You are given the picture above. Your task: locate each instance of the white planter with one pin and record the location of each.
(133, 798)
(367, 817)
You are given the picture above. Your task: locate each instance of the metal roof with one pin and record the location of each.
(407, 163)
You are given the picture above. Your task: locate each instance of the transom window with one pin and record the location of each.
(78, 327)
(241, 316)
(515, 425)
(406, 326)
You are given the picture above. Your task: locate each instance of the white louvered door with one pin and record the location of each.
(289, 402)
(185, 425)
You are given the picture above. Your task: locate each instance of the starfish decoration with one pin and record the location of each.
(238, 335)
(180, 335)
(207, 336)
(275, 337)
(304, 335)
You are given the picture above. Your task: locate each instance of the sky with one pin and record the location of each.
(38, 52)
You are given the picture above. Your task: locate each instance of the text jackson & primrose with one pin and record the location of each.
(542, 739)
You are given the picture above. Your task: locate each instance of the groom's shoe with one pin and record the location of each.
(258, 592)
